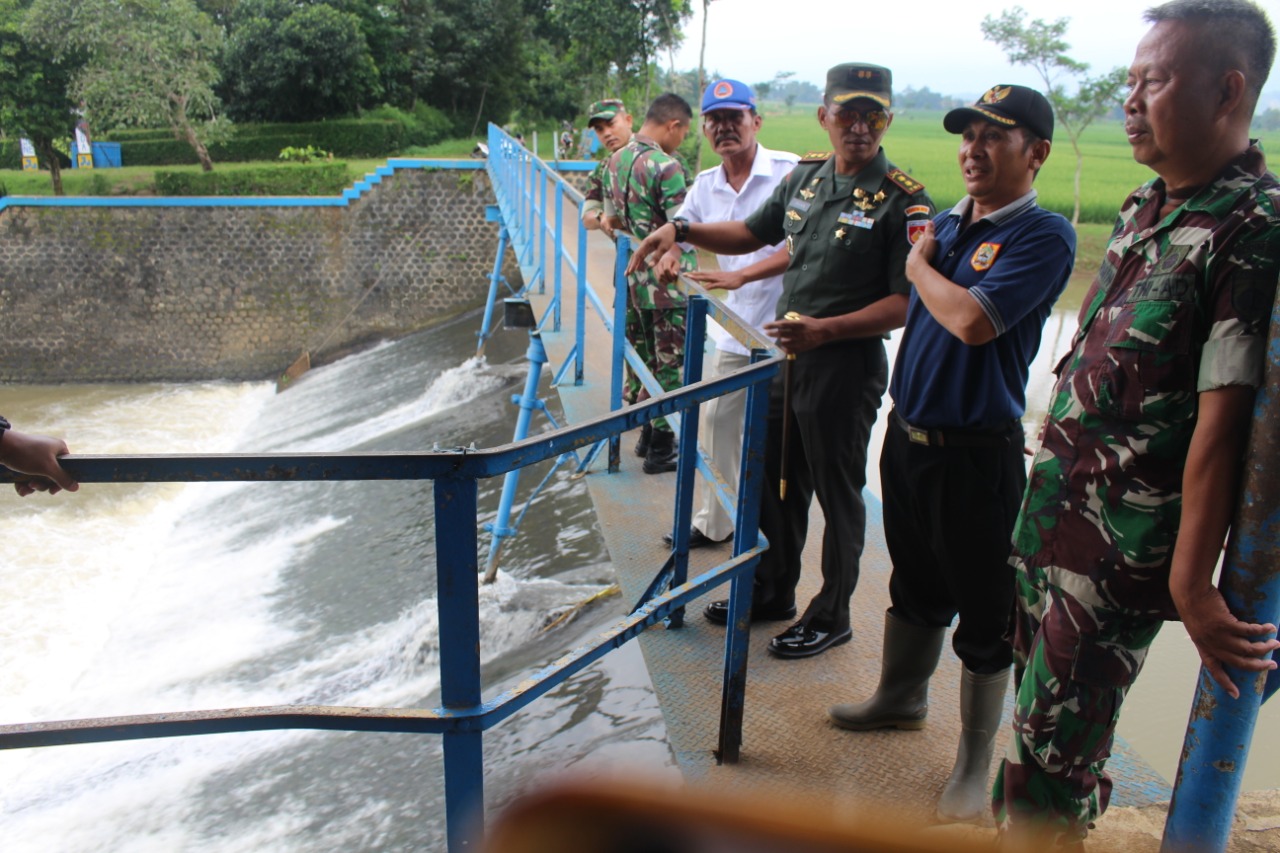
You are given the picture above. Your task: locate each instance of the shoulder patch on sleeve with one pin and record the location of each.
(816, 156)
(909, 184)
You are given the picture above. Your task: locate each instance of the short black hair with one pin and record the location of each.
(669, 107)
(1234, 31)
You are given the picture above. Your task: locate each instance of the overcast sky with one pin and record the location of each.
(924, 42)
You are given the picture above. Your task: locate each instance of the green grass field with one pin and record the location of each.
(918, 144)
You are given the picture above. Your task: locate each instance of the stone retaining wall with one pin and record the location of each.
(117, 293)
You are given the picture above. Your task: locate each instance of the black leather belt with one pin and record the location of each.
(954, 437)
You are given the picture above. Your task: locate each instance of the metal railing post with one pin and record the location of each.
(528, 403)
(458, 608)
(1211, 769)
(580, 307)
(620, 297)
(746, 536)
(695, 334)
(493, 213)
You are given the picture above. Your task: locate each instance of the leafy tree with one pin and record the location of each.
(1042, 46)
(287, 61)
(148, 62)
(35, 99)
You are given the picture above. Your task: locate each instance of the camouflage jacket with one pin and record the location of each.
(1179, 306)
(644, 187)
(593, 196)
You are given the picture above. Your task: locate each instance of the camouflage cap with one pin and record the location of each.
(604, 110)
(859, 80)
(1007, 106)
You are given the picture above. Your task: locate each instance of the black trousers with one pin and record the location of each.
(949, 513)
(835, 392)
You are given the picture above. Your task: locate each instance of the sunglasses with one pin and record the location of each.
(875, 120)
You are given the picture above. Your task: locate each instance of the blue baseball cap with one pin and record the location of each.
(728, 95)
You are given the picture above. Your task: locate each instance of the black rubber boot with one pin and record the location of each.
(642, 443)
(901, 701)
(663, 454)
(967, 796)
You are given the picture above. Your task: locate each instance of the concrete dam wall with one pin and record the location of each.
(101, 290)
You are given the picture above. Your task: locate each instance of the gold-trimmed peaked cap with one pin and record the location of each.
(1006, 106)
(859, 80)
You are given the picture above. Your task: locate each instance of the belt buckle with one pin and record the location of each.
(918, 436)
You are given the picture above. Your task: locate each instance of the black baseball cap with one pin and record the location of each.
(1007, 106)
(854, 80)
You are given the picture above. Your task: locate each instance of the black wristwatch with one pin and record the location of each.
(682, 228)
(4, 425)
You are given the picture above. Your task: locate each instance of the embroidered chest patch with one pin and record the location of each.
(984, 256)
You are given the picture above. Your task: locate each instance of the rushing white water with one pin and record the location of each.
(126, 599)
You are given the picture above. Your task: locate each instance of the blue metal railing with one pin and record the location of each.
(464, 714)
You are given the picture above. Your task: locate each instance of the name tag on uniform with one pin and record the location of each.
(799, 204)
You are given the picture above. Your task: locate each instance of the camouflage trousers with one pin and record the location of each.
(658, 337)
(1074, 660)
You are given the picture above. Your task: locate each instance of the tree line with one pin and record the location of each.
(199, 66)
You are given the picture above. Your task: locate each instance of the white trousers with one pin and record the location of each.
(720, 434)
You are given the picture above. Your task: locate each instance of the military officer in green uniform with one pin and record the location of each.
(848, 218)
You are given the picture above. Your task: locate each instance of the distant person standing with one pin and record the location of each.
(952, 471)
(1132, 491)
(646, 186)
(36, 455)
(747, 175)
(848, 217)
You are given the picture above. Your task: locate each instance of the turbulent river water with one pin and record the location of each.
(135, 599)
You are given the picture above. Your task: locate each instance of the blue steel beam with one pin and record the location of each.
(1218, 735)
(395, 465)
(477, 718)
(458, 609)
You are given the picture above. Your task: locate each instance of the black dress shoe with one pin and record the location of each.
(718, 612)
(697, 539)
(801, 641)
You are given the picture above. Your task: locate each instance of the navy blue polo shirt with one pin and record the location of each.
(1015, 262)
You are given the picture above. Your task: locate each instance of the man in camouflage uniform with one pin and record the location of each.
(645, 185)
(1131, 493)
(847, 218)
(612, 123)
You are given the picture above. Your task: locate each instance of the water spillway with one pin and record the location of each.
(130, 599)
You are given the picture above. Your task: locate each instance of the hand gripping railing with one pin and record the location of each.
(1211, 768)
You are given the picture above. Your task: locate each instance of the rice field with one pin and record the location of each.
(918, 144)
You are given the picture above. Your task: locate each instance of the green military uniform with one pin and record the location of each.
(848, 237)
(644, 187)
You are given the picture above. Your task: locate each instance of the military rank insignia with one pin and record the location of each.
(984, 256)
(908, 184)
(865, 200)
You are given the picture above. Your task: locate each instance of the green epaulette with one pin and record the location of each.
(909, 184)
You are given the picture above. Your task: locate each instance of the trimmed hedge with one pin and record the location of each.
(355, 138)
(328, 178)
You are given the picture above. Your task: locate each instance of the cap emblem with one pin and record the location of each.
(996, 94)
(723, 89)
